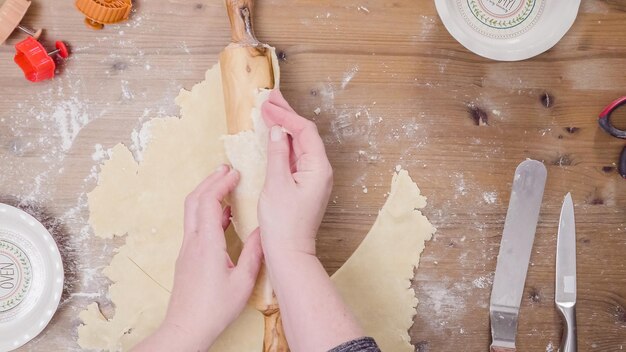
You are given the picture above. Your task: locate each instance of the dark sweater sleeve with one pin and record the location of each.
(363, 344)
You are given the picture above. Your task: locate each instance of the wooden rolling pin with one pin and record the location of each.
(246, 66)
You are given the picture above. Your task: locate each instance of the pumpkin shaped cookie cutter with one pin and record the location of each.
(100, 12)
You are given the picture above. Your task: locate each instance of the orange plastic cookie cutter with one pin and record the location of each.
(11, 14)
(37, 64)
(100, 12)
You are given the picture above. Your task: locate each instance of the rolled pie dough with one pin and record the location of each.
(145, 202)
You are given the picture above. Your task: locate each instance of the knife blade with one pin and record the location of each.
(565, 293)
(515, 249)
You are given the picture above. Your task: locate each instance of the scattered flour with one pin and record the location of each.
(349, 75)
(100, 153)
(140, 138)
(550, 347)
(77, 215)
(460, 184)
(184, 47)
(428, 24)
(352, 123)
(483, 281)
(490, 197)
(70, 116)
(137, 20)
(127, 94)
(327, 94)
(545, 131)
(441, 301)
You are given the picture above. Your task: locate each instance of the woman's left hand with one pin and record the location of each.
(209, 291)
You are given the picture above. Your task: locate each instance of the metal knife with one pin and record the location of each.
(515, 248)
(565, 293)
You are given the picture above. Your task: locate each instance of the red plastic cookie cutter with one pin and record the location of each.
(607, 125)
(37, 64)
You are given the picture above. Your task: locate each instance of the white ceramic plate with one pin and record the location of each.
(508, 30)
(31, 277)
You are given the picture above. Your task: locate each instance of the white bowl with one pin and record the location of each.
(508, 30)
(31, 277)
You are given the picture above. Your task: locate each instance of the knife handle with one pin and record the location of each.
(569, 340)
(501, 349)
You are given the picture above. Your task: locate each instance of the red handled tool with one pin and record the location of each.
(35, 61)
(606, 124)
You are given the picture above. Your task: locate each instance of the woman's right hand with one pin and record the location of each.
(298, 181)
(293, 201)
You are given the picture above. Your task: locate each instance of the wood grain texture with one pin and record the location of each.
(244, 69)
(393, 88)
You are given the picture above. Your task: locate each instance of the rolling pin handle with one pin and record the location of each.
(241, 22)
(245, 13)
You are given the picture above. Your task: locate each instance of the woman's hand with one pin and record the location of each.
(293, 201)
(209, 291)
(298, 182)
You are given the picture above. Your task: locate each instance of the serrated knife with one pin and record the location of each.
(515, 248)
(565, 293)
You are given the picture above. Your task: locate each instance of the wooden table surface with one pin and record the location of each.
(393, 88)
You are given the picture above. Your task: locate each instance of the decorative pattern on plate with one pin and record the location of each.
(36, 272)
(501, 19)
(31, 275)
(15, 275)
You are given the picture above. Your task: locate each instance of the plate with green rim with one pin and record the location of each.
(508, 30)
(31, 277)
